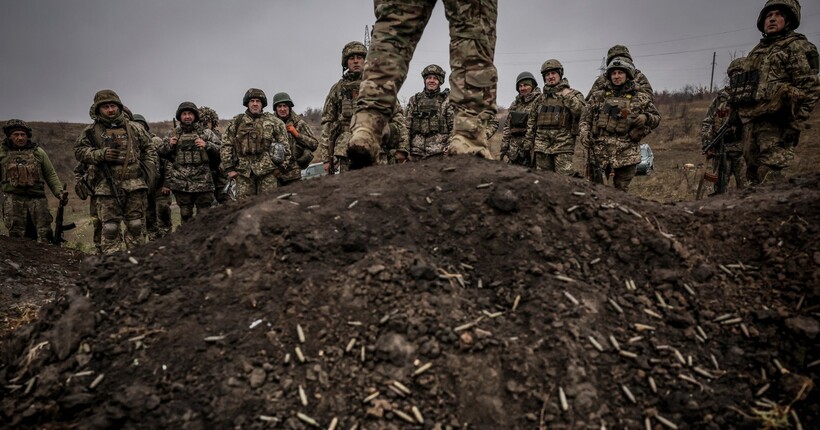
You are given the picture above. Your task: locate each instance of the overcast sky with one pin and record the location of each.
(56, 54)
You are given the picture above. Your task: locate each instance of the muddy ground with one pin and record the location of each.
(455, 293)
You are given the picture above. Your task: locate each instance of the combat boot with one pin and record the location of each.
(469, 137)
(364, 145)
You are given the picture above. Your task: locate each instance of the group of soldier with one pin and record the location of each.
(128, 174)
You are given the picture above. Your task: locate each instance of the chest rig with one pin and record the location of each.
(553, 115)
(251, 138)
(22, 169)
(428, 115)
(759, 74)
(349, 92)
(187, 152)
(615, 116)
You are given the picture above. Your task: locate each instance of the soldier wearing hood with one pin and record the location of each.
(429, 117)
(553, 121)
(776, 91)
(190, 148)
(613, 123)
(25, 170)
(515, 126)
(122, 152)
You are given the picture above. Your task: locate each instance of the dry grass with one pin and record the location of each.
(18, 315)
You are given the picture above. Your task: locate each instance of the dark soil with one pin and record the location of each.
(496, 276)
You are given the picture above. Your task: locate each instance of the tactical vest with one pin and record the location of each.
(187, 151)
(754, 83)
(518, 123)
(615, 116)
(22, 169)
(553, 115)
(743, 87)
(127, 165)
(250, 137)
(349, 92)
(428, 115)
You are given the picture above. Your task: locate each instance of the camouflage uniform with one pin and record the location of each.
(158, 208)
(395, 138)
(515, 126)
(553, 122)
(246, 147)
(732, 163)
(84, 183)
(610, 127)
(24, 172)
(133, 172)
(429, 117)
(398, 28)
(775, 93)
(210, 120)
(641, 82)
(189, 175)
(301, 141)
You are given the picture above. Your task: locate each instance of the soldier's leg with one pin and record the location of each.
(15, 215)
(163, 214)
(543, 162)
(203, 201)
(151, 216)
(38, 209)
(220, 180)
(135, 218)
(563, 163)
(267, 183)
(185, 201)
(245, 186)
(751, 152)
(398, 28)
(736, 167)
(110, 215)
(96, 224)
(473, 76)
(775, 153)
(623, 176)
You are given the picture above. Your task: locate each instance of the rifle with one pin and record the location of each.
(718, 174)
(59, 227)
(108, 176)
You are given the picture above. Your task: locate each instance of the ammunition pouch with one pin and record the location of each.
(428, 118)
(22, 169)
(743, 87)
(518, 123)
(188, 154)
(554, 116)
(250, 139)
(615, 118)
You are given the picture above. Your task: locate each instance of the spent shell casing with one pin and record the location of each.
(371, 397)
(652, 385)
(666, 422)
(702, 333)
(571, 298)
(300, 333)
(302, 396)
(299, 354)
(401, 387)
(627, 354)
(516, 302)
(595, 343)
(306, 419)
(614, 343)
(350, 344)
(762, 390)
(563, 398)
(333, 423)
(404, 416)
(417, 414)
(628, 393)
(422, 369)
(616, 306)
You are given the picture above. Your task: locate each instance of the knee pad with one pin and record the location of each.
(111, 230)
(134, 226)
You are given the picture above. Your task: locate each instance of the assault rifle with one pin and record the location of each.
(107, 175)
(718, 174)
(59, 227)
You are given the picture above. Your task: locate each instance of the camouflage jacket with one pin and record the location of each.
(781, 76)
(608, 127)
(301, 148)
(163, 166)
(336, 115)
(552, 122)
(515, 126)
(429, 122)
(190, 166)
(135, 170)
(245, 147)
(395, 137)
(25, 171)
(718, 113)
(641, 84)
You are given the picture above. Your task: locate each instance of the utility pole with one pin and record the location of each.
(367, 36)
(712, 80)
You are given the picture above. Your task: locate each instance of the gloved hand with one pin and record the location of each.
(640, 121)
(111, 154)
(292, 130)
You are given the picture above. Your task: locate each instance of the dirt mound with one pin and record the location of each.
(460, 292)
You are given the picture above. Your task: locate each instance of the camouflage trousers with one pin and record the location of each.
(621, 176)
(765, 150)
(473, 78)
(96, 224)
(732, 166)
(20, 210)
(558, 163)
(132, 217)
(187, 202)
(158, 215)
(247, 187)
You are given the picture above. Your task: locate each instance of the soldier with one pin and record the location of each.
(122, 153)
(395, 139)
(731, 162)
(301, 141)
(25, 169)
(158, 208)
(398, 28)
(553, 121)
(640, 81)
(190, 148)
(84, 184)
(515, 126)
(255, 147)
(210, 120)
(776, 91)
(429, 116)
(614, 122)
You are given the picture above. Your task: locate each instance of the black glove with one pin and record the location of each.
(111, 154)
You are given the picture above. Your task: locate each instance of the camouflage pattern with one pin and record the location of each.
(775, 92)
(133, 173)
(208, 117)
(84, 178)
(641, 84)
(395, 137)
(515, 127)
(607, 129)
(429, 119)
(18, 209)
(398, 28)
(190, 169)
(301, 147)
(552, 125)
(718, 113)
(336, 116)
(791, 8)
(245, 151)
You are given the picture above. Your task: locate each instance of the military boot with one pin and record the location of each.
(469, 137)
(364, 146)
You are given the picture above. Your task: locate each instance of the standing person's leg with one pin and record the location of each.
(398, 28)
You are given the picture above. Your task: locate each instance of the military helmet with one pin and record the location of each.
(208, 115)
(189, 106)
(282, 98)
(140, 118)
(254, 93)
(434, 70)
(790, 8)
(622, 64)
(523, 76)
(735, 66)
(105, 96)
(552, 64)
(618, 51)
(352, 48)
(13, 125)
